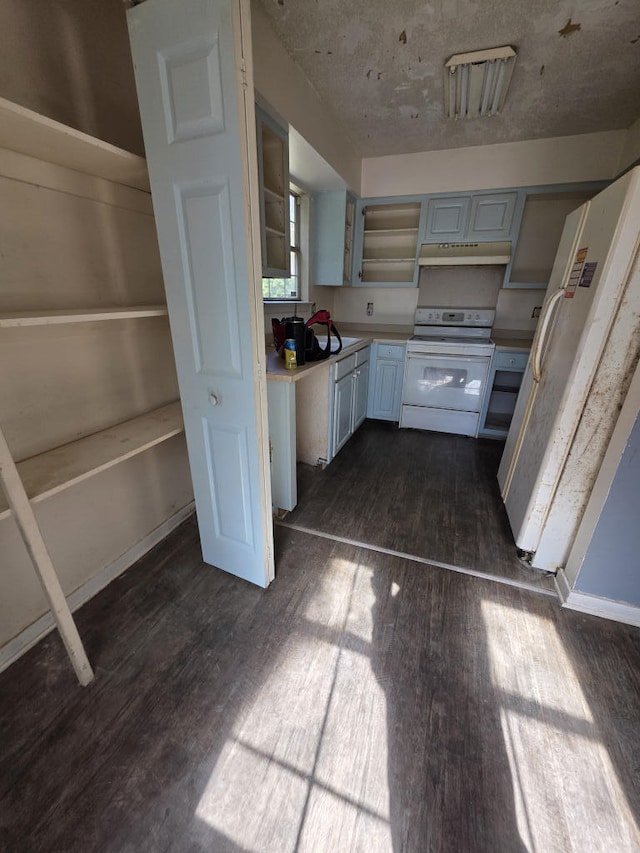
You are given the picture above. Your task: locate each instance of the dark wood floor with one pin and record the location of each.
(419, 493)
(362, 703)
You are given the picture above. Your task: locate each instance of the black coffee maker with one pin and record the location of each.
(294, 327)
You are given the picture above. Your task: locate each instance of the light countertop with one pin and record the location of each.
(277, 372)
(504, 339)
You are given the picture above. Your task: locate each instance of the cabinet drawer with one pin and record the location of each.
(390, 351)
(346, 365)
(510, 359)
(362, 356)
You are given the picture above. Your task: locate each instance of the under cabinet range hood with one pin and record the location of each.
(464, 254)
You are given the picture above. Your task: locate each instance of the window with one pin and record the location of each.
(288, 288)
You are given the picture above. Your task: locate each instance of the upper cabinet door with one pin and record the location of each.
(491, 216)
(273, 173)
(447, 219)
(195, 88)
(332, 217)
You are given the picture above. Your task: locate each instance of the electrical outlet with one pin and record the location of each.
(369, 309)
(536, 312)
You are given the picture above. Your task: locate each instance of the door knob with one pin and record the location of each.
(214, 399)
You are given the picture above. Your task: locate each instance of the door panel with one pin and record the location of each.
(342, 403)
(386, 390)
(492, 215)
(447, 218)
(360, 399)
(199, 130)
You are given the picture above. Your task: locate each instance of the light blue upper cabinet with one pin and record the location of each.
(473, 217)
(386, 242)
(273, 174)
(332, 214)
(491, 216)
(447, 219)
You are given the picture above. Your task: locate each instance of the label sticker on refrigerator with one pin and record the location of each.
(588, 273)
(576, 273)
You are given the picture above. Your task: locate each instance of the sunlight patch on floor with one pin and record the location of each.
(330, 777)
(552, 741)
(253, 800)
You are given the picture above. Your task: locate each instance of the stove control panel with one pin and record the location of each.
(455, 316)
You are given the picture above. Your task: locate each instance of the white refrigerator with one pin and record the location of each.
(582, 359)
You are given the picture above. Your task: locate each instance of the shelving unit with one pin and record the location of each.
(273, 173)
(60, 468)
(87, 374)
(15, 319)
(505, 379)
(390, 243)
(502, 402)
(43, 138)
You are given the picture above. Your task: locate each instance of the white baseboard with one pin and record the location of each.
(606, 608)
(562, 586)
(42, 626)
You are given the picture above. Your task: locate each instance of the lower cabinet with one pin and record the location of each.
(505, 378)
(385, 381)
(350, 378)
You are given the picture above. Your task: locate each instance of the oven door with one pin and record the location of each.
(445, 381)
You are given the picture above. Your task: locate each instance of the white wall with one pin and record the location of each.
(391, 305)
(567, 159)
(450, 287)
(631, 149)
(283, 85)
(70, 60)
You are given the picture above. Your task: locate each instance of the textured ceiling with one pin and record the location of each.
(379, 65)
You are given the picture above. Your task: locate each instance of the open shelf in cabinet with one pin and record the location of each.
(51, 472)
(13, 319)
(390, 243)
(38, 136)
(273, 168)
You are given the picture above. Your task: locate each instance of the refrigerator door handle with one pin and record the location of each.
(538, 344)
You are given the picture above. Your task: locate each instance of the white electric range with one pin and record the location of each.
(446, 370)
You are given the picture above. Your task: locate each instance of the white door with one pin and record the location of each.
(195, 88)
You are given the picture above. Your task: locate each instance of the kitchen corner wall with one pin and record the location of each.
(536, 162)
(391, 305)
(450, 287)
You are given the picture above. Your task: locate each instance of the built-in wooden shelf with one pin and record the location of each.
(394, 232)
(274, 232)
(36, 135)
(78, 315)
(273, 195)
(397, 260)
(51, 472)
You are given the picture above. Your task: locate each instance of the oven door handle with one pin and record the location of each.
(433, 356)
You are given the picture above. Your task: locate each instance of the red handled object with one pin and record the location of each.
(312, 349)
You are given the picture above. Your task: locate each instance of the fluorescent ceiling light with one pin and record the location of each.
(476, 83)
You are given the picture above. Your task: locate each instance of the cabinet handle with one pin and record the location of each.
(214, 399)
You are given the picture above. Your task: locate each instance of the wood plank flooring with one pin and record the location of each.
(419, 493)
(362, 703)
